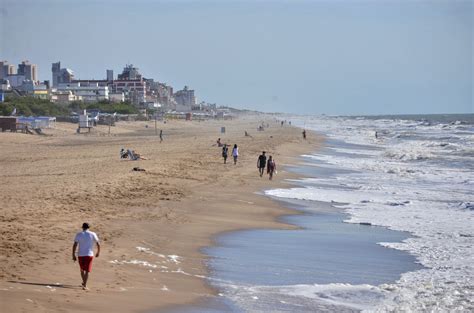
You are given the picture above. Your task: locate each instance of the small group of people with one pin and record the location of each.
(262, 161)
(270, 164)
(225, 153)
(131, 155)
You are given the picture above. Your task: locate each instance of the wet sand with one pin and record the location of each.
(51, 184)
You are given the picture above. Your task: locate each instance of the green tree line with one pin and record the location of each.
(30, 106)
(104, 106)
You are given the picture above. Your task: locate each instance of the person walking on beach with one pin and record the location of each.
(225, 152)
(235, 153)
(85, 240)
(271, 167)
(161, 135)
(261, 162)
(304, 133)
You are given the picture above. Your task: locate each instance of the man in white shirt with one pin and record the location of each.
(85, 239)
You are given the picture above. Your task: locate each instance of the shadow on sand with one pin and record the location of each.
(55, 285)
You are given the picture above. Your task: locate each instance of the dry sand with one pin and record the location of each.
(51, 184)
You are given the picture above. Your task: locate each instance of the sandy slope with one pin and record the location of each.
(51, 184)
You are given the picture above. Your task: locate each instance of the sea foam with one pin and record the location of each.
(416, 177)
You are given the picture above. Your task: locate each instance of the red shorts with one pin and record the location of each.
(85, 262)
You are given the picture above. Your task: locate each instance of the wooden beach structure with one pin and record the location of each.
(26, 123)
(8, 123)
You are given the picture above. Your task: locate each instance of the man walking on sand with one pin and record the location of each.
(261, 162)
(85, 239)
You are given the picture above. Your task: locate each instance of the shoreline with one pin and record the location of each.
(277, 222)
(188, 217)
(390, 182)
(252, 264)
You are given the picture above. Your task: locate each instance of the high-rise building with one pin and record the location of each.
(185, 98)
(61, 75)
(110, 75)
(130, 73)
(56, 68)
(28, 70)
(6, 69)
(132, 84)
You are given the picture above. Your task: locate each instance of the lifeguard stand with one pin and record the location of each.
(84, 122)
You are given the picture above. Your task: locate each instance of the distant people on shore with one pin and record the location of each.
(161, 135)
(271, 167)
(304, 133)
(235, 153)
(261, 163)
(85, 240)
(225, 152)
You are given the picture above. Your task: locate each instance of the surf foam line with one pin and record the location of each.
(303, 297)
(443, 242)
(414, 177)
(447, 282)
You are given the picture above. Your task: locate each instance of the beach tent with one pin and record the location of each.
(37, 122)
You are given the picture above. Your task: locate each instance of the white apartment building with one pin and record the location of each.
(89, 92)
(64, 97)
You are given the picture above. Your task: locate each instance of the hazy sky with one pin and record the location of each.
(332, 57)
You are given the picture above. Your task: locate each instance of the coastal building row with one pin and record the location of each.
(129, 85)
(25, 71)
(24, 79)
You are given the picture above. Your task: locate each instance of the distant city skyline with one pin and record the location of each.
(306, 57)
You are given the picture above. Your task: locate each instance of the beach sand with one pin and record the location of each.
(152, 224)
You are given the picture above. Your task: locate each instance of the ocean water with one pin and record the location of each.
(415, 179)
(416, 176)
(326, 265)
